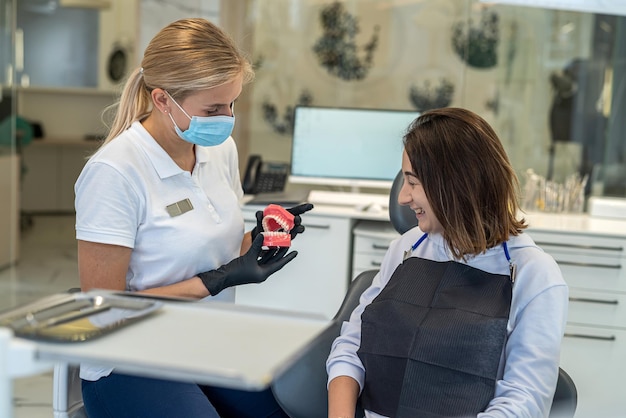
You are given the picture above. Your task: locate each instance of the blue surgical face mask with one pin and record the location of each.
(206, 131)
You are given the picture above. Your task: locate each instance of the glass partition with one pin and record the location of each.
(551, 82)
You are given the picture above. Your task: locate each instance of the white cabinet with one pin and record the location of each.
(594, 346)
(51, 171)
(595, 359)
(371, 242)
(317, 279)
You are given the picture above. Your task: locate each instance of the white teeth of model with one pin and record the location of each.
(419, 211)
(281, 221)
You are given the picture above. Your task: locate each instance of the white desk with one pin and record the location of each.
(210, 343)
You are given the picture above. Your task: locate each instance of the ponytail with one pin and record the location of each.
(134, 105)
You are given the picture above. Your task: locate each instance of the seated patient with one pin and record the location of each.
(466, 316)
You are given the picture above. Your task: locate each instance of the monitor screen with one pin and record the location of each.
(347, 146)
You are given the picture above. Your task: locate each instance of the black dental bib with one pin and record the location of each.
(432, 340)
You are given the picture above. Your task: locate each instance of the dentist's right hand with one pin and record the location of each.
(255, 266)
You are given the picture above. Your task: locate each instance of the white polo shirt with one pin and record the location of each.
(123, 195)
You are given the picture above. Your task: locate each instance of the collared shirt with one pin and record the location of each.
(122, 198)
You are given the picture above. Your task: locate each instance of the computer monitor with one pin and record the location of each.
(348, 146)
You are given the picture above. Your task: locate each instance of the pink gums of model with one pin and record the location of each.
(277, 222)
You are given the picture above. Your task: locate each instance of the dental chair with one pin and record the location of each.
(301, 390)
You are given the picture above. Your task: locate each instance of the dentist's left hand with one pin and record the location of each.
(255, 266)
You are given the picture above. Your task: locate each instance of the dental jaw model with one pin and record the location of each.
(277, 222)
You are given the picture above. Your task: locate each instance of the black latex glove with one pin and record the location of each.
(296, 211)
(253, 267)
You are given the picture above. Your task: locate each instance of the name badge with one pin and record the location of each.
(178, 208)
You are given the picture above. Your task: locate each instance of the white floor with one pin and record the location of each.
(47, 265)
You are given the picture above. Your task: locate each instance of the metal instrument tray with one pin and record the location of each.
(75, 317)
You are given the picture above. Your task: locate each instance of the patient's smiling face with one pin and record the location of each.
(412, 195)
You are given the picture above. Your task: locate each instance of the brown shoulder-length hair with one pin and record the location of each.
(467, 177)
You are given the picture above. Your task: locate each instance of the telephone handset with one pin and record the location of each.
(264, 177)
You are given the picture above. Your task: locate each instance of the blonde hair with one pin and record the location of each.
(186, 56)
(467, 177)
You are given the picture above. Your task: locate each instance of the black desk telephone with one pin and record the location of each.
(264, 177)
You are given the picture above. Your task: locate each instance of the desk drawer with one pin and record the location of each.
(580, 244)
(367, 261)
(589, 272)
(371, 245)
(595, 360)
(587, 261)
(604, 309)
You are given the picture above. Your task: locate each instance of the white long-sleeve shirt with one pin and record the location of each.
(528, 369)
